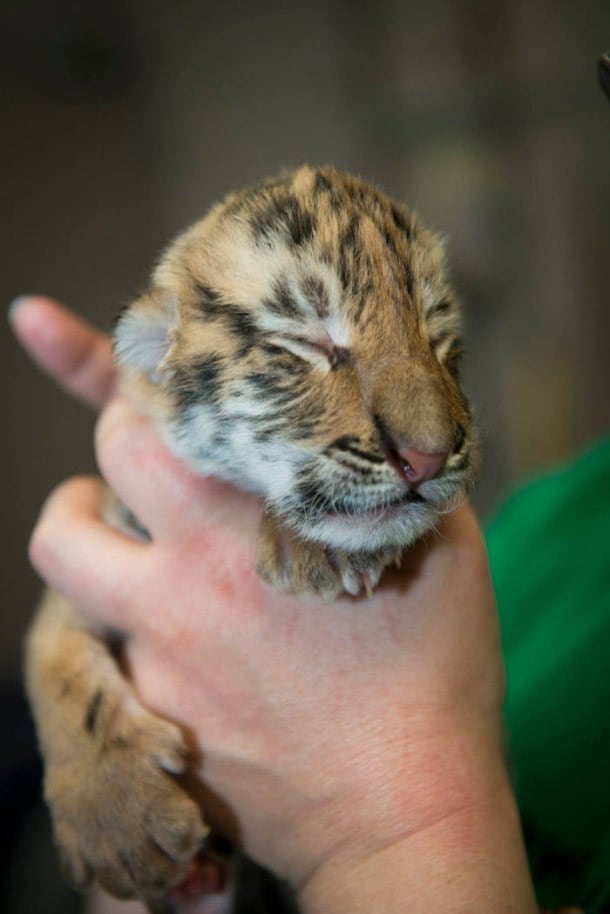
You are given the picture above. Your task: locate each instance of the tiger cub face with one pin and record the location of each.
(302, 341)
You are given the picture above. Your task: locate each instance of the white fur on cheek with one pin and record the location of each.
(267, 469)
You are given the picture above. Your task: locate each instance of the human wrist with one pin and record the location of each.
(456, 846)
(470, 862)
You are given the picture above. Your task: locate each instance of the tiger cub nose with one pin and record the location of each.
(417, 467)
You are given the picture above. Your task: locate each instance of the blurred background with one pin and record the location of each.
(123, 120)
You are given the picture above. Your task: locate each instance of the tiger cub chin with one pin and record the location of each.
(301, 341)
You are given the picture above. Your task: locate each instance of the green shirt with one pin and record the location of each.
(550, 555)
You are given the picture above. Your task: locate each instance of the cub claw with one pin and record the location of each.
(290, 564)
(119, 816)
(367, 586)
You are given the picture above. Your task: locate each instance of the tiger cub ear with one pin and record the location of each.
(143, 334)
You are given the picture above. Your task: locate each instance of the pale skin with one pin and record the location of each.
(354, 748)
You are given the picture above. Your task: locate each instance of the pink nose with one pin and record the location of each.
(418, 467)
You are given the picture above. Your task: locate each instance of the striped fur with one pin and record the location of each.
(291, 339)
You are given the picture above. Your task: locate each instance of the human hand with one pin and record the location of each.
(354, 747)
(329, 733)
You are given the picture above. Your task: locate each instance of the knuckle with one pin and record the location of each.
(111, 424)
(40, 546)
(45, 547)
(117, 433)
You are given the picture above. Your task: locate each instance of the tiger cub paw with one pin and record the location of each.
(290, 564)
(120, 815)
(361, 571)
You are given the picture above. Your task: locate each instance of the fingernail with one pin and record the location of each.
(14, 307)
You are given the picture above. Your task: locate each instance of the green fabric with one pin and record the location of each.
(549, 548)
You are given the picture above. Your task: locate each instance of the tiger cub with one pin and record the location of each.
(302, 342)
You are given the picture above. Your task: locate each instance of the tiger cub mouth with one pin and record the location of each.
(379, 511)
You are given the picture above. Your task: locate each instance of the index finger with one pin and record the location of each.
(95, 566)
(74, 354)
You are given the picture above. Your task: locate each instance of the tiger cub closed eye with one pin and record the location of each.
(301, 341)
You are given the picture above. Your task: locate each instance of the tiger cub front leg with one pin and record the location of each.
(119, 814)
(289, 563)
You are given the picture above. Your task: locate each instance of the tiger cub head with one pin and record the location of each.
(303, 342)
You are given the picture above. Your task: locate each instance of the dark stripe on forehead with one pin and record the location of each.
(350, 255)
(282, 215)
(396, 229)
(333, 194)
(282, 301)
(402, 221)
(322, 183)
(398, 260)
(368, 199)
(344, 271)
(301, 224)
(238, 322)
(316, 293)
(350, 239)
(362, 298)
